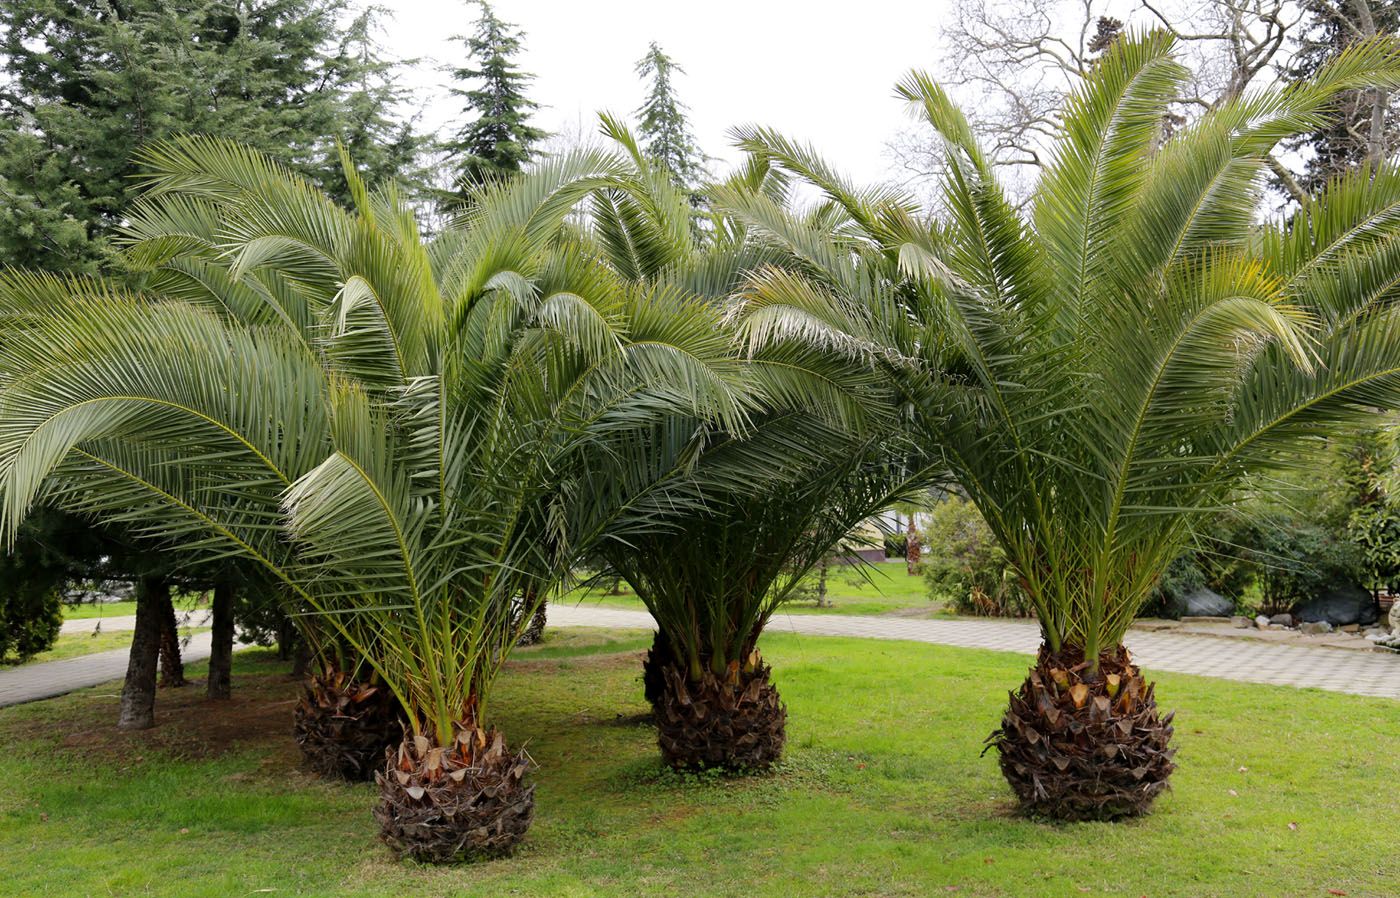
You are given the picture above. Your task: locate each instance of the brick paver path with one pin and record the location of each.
(1359, 673)
(1338, 670)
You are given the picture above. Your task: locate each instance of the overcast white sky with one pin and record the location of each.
(820, 71)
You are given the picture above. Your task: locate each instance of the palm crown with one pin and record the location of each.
(1099, 373)
(394, 428)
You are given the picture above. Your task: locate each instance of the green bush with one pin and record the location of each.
(32, 577)
(964, 566)
(1221, 559)
(30, 618)
(1298, 559)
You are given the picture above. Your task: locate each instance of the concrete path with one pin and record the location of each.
(31, 682)
(1358, 673)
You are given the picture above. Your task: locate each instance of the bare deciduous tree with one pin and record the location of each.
(1013, 62)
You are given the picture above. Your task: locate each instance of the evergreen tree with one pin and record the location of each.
(500, 140)
(88, 83)
(665, 133)
(1361, 132)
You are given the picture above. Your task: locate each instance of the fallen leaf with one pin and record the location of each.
(184, 831)
(43, 816)
(1293, 826)
(1233, 792)
(1084, 888)
(1335, 892)
(1244, 770)
(989, 860)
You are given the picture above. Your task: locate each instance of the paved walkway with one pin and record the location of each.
(31, 682)
(1358, 673)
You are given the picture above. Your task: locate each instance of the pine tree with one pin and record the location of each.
(500, 140)
(664, 131)
(88, 83)
(1361, 132)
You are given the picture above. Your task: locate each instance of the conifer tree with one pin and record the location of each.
(500, 140)
(1365, 127)
(665, 133)
(87, 83)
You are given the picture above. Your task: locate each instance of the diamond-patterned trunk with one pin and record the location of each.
(344, 726)
(464, 801)
(735, 721)
(1081, 746)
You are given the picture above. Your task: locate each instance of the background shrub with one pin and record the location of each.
(964, 566)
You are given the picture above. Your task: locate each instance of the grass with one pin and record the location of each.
(77, 644)
(885, 589)
(183, 601)
(99, 609)
(883, 792)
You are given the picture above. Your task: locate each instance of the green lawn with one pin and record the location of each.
(883, 793)
(184, 601)
(104, 609)
(885, 588)
(88, 643)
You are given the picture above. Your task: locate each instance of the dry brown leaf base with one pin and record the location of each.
(463, 802)
(1075, 747)
(738, 721)
(344, 726)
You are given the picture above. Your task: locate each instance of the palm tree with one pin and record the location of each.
(396, 430)
(713, 553)
(1106, 371)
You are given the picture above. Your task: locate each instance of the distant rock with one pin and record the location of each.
(1201, 603)
(1242, 623)
(1340, 605)
(1262, 622)
(1315, 628)
(1284, 619)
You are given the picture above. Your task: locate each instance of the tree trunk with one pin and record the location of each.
(172, 668)
(138, 710)
(911, 549)
(301, 656)
(534, 631)
(1075, 746)
(286, 638)
(220, 684)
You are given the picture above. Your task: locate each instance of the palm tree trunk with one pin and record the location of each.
(220, 684)
(737, 721)
(138, 704)
(463, 801)
(1076, 745)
